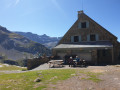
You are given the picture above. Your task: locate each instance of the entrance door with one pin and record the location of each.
(104, 57)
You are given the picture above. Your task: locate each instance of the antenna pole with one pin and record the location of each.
(82, 4)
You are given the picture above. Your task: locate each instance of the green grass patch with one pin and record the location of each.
(25, 81)
(11, 67)
(91, 76)
(94, 77)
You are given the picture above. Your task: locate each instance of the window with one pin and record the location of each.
(76, 39)
(83, 25)
(93, 37)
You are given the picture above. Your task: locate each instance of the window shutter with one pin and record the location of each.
(80, 38)
(72, 38)
(88, 37)
(87, 24)
(79, 25)
(97, 37)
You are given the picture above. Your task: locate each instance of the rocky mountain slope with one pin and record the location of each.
(16, 47)
(48, 41)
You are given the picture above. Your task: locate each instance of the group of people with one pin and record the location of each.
(76, 61)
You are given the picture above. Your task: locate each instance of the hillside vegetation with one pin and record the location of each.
(17, 47)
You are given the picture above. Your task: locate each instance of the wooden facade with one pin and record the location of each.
(90, 41)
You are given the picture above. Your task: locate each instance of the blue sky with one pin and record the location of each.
(55, 17)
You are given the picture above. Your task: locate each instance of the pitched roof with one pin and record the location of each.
(98, 24)
(83, 16)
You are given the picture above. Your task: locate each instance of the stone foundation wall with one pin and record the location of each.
(33, 63)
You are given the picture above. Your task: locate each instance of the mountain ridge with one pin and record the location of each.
(44, 39)
(17, 47)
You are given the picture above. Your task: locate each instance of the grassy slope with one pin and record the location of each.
(91, 76)
(25, 81)
(10, 67)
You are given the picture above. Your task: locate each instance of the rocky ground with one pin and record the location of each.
(109, 80)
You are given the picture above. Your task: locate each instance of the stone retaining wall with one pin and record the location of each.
(33, 63)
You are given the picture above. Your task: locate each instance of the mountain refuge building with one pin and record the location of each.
(90, 41)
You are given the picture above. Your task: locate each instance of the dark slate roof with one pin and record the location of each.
(100, 44)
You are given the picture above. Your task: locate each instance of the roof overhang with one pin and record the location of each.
(76, 46)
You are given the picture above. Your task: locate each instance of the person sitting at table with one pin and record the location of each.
(70, 61)
(77, 60)
(66, 57)
(84, 63)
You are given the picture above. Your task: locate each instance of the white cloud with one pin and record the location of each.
(16, 2)
(12, 3)
(57, 5)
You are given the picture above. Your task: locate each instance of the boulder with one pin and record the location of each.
(37, 80)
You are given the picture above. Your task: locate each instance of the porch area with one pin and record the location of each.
(94, 53)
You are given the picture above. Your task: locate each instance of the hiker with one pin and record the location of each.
(70, 61)
(66, 57)
(77, 60)
(83, 63)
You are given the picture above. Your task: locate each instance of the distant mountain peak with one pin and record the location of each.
(44, 39)
(4, 29)
(44, 35)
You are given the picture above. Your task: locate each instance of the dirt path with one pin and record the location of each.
(110, 80)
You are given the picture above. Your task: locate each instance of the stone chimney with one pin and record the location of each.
(80, 12)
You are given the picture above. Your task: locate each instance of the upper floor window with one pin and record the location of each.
(75, 38)
(93, 37)
(84, 24)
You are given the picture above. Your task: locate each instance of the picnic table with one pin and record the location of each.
(56, 62)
